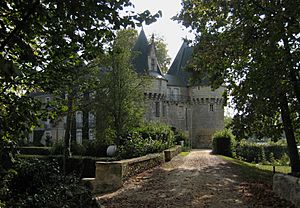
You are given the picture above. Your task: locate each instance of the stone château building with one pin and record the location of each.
(170, 99)
(198, 110)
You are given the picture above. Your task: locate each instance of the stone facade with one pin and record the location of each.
(197, 110)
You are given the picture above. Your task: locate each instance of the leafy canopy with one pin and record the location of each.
(252, 47)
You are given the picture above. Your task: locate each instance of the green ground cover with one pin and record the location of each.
(256, 171)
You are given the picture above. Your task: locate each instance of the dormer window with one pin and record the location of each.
(153, 64)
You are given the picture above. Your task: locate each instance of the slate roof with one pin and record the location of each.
(176, 75)
(140, 61)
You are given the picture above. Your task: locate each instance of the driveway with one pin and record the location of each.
(196, 180)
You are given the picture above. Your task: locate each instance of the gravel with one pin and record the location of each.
(196, 180)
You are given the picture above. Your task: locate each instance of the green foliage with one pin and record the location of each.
(156, 131)
(39, 45)
(57, 148)
(181, 136)
(150, 138)
(274, 153)
(162, 53)
(95, 148)
(38, 183)
(228, 122)
(256, 172)
(252, 48)
(223, 143)
(35, 150)
(75, 149)
(119, 93)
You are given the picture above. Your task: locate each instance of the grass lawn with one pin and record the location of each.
(256, 171)
(184, 153)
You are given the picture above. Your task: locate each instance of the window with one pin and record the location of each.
(91, 134)
(211, 107)
(157, 109)
(79, 136)
(79, 116)
(153, 64)
(176, 93)
(92, 119)
(79, 119)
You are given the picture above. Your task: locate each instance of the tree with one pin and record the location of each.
(42, 38)
(162, 53)
(36, 36)
(161, 47)
(252, 47)
(119, 105)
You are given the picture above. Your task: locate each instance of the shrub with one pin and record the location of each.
(58, 148)
(181, 136)
(270, 152)
(250, 151)
(95, 148)
(152, 138)
(223, 143)
(83, 167)
(38, 183)
(35, 150)
(76, 149)
(156, 131)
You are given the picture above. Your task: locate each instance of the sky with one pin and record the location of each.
(170, 30)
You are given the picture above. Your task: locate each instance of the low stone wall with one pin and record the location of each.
(135, 166)
(287, 187)
(170, 153)
(111, 175)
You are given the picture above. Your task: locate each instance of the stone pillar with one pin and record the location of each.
(108, 176)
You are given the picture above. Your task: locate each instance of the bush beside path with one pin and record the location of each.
(196, 180)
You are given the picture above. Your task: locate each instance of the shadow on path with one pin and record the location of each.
(197, 180)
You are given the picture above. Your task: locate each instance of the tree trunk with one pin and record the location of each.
(289, 134)
(67, 140)
(294, 77)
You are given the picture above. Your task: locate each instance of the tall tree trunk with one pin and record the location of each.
(85, 113)
(67, 139)
(289, 133)
(294, 77)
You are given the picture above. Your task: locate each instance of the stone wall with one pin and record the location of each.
(135, 166)
(111, 175)
(287, 187)
(170, 153)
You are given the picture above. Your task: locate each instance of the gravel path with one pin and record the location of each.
(196, 180)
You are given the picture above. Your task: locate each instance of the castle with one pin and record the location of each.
(170, 98)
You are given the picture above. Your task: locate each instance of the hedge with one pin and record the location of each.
(260, 152)
(223, 143)
(35, 150)
(84, 167)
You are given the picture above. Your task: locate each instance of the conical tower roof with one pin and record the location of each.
(176, 75)
(141, 60)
